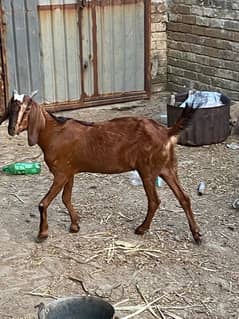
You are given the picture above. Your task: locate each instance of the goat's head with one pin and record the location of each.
(24, 114)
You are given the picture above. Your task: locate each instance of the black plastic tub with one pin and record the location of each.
(76, 308)
(208, 126)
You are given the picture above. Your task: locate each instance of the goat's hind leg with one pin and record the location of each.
(171, 179)
(66, 198)
(153, 203)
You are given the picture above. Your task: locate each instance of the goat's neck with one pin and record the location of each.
(46, 134)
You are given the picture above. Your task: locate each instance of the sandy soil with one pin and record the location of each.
(106, 258)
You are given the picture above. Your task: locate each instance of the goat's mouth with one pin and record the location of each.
(15, 131)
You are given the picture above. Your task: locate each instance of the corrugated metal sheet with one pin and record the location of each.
(87, 50)
(77, 51)
(3, 77)
(22, 45)
(120, 38)
(60, 52)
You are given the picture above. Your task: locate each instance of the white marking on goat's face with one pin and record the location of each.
(20, 116)
(18, 97)
(18, 109)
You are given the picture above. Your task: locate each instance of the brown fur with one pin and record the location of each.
(113, 146)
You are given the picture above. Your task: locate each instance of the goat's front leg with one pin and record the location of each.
(57, 185)
(171, 179)
(153, 203)
(66, 198)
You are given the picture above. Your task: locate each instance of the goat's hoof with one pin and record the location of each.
(74, 228)
(197, 237)
(41, 237)
(140, 230)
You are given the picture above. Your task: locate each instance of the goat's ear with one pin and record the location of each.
(33, 93)
(36, 122)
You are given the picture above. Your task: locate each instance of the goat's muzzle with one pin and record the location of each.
(11, 131)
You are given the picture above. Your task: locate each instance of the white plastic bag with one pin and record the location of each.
(135, 180)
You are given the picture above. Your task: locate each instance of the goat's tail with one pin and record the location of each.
(183, 121)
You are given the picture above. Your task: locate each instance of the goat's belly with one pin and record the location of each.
(106, 170)
(109, 170)
(105, 167)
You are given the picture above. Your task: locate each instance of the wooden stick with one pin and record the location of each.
(120, 302)
(126, 217)
(142, 309)
(161, 314)
(19, 198)
(172, 315)
(145, 300)
(41, 295)
(81, 283)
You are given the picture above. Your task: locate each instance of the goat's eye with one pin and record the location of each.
(15, 107)
(15, 110)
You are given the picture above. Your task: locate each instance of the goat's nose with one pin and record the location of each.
(11, 131)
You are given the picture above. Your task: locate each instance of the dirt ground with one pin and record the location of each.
(106, 258)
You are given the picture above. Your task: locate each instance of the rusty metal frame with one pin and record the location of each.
(57, 6)
(96, 2)
(97, 101)
(79, 8)
(116, 2)
(95, 57)
(147, 47)
(4, 79)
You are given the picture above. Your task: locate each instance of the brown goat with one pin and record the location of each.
(115, 146)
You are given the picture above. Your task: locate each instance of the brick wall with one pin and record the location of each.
(159, 45)
(203, 45)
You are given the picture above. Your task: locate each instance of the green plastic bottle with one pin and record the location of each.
(22, 168)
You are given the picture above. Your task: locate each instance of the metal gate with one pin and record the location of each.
(78, 53)
(3, 78)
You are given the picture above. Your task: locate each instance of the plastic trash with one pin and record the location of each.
(136, 180)
(233, 146)
(163, 119)
(160, 182)
(172, 99)
(205, 99)
(22, 168)
(201, 188)
(235, 204)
